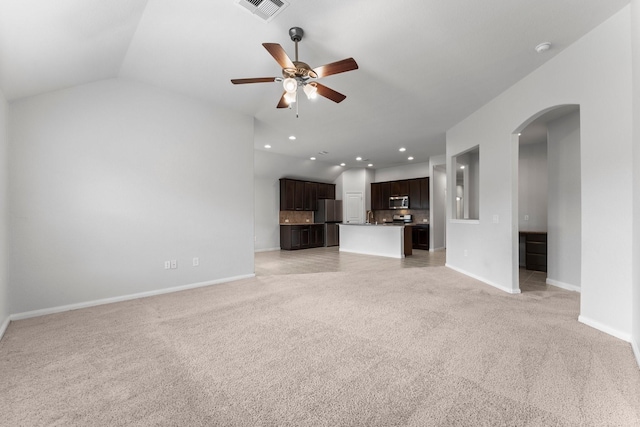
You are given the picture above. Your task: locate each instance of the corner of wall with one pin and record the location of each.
(635, 54)
(4, 148)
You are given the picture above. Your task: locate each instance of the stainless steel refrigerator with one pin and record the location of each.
(329, 212)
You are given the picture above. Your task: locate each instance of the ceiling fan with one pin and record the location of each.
(297, 74)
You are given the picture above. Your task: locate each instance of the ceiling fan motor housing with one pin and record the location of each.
(296, 34)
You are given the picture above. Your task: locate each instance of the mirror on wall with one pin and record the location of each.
(466, 200)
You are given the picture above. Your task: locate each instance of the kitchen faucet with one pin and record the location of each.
(369, 213)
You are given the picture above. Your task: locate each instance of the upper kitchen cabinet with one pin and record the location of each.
(419, 193)
(417, 190)
(296, 195)
(287, 195)
(326, 191)
(310, 196)
(375, 196)
(380, 193)
(400, 188)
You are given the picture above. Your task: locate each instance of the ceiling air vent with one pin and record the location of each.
(265, 9)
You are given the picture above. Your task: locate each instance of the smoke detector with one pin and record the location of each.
(264, 9)
(543, 47)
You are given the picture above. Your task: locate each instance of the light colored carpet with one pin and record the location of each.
(410, 347)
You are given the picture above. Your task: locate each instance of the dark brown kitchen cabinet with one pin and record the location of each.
(417, 189)
(419, 193)
(400, 188)
(376, 196)
(310, 196)
(385, 193)
(287, 194)
(535, 244)
(293, 237)
(420, 237)
(296, 195)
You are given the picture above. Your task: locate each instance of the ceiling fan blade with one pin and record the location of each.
(336, 67)
(279, 55)
(253, 80)
(283, 102)
(330, 93)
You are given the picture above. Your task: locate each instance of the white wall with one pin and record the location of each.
(532, 186)
(635, 45)
(602, 88)
(268, 169)
(4, 286)
(110, 179)
(438, 208)
(565, 219)
(408, 171)
(437, 202)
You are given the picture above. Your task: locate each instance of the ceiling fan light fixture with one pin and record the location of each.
(290, 97)
(290, 85)
(311, 91)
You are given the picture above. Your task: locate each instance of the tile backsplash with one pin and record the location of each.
(296, 217)
(418, 215)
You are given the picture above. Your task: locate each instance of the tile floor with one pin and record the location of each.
(319, 260)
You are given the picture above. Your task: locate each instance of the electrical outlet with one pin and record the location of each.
(167, 265)
(307, 220)
(174, 263)
(526, 217)
(196, 261)
(425, 220)
(286, 220)
(496, 218)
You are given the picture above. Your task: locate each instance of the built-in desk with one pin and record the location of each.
(535, 250)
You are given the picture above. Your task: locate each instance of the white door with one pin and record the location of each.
(354, 208)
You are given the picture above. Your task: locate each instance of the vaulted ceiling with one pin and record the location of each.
(424, 65)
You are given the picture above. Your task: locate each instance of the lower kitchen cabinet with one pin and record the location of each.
(420, 237)
(293, 237)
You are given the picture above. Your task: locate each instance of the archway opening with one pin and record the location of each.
(548, 241)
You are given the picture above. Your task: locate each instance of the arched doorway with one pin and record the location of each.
(549, 200)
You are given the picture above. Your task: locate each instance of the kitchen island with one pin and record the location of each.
(388, 240)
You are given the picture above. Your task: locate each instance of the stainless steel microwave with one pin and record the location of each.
(399, 202)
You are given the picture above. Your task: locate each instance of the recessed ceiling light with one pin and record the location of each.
(410, 158)
(370, 164)
(343, 164)
(462, 167)
(292, 137)
(402, 149)
(312, 158)
(267, 146)
(358, 158)
(519, 134)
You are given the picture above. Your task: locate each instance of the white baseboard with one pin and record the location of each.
(606, 329)
(4, 326)
(266, 250)
(563, 285)
(59, 309)
(437, 249)
(488, 282)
